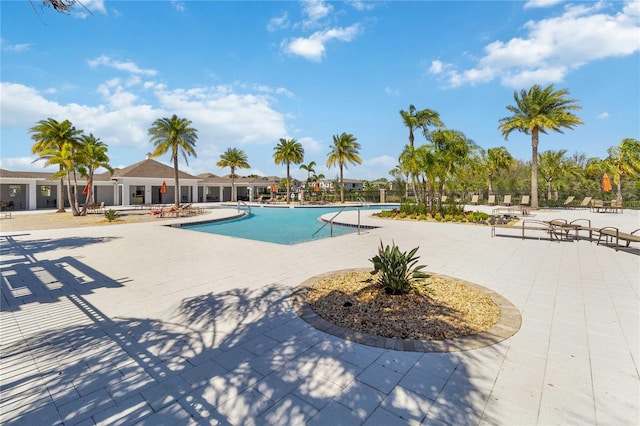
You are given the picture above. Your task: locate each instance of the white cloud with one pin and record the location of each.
(315, 10)
(179, 5)
(129, 67)
(362, 4)
(541, 3)
(603, 115)
(278, 22)
(391, 92)
(552, 48)
(85, 8)
(7, 47)
(313, 47)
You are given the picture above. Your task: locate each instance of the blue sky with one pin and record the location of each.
(249, 73)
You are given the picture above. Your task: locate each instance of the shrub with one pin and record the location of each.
(111, 215)
(402, 215)
(448, 217)
(459, 218)
(437, 217)
(397, 270)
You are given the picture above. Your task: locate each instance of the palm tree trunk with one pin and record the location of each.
(288, 198)
(176, 195)
(341, 186)
(534, 168)
(60, 195)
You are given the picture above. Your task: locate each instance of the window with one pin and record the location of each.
(14, 190)
(45, 190)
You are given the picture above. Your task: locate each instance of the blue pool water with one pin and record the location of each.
(279, 225)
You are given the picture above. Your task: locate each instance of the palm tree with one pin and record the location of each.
(286, 152)
(50, 136)
(535, 111)
(174, 135)
(451, 149)
(497, 159)
(310, 169)
(414, 119)
(624, 160)
(550, 166)
(345, 150)
(92, 156)
(233, 158)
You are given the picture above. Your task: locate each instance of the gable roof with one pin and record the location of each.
(149, 169)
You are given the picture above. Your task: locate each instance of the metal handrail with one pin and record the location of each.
(363, 201)
(245, 204)
(330, 222)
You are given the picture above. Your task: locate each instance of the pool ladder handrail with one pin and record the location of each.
(245, 204)
(363, 201)
(330, 222)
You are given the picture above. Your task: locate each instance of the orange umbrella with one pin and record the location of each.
(316, 187)
(163, 187)
(606, 183)
(85, 191)
(273, 187)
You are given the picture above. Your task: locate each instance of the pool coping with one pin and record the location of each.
(507, 325)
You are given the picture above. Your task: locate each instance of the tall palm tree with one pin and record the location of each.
(624, 160)
(310, 169)
(345, 150)
(538, 110)
(414, 119)
(286, 152)
(50, 136)
(92, 156)
(550, 166)
(233, 158)
(174, 135)
(451, 150)
(497, 159)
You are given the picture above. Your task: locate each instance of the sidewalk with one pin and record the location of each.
(144, 323)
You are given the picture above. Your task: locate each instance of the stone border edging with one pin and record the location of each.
(508, 324)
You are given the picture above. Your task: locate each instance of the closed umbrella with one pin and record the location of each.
(606, 183)
(85, 191)
(316, 187)
(163, 190)
(273, 188)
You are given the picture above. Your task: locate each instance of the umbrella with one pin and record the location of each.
(606, 183)
(273, 187)
(316, 187)
(85, 191)
(163, 187)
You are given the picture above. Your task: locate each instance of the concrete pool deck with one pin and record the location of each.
(144, 323)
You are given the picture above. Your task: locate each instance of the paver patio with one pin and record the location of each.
(149, 324)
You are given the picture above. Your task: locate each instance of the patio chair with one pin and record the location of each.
(568, 203)
(586, 203)
(474, 199)
(597, 206)
(506, 201)
(443, 199)
(491, 201)
(616, 205)
(524, 204)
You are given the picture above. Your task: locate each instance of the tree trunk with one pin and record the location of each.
(288, 197)
(60, 195)
(341, 185)
(534, 168)
(233, 184)
(176, 195)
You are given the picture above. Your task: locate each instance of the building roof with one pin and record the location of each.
(148, 169)
(25, 175)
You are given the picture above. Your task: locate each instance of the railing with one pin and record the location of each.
(363, 201)
(245, 204)
(330, 223)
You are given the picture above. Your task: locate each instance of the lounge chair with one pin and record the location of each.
(524, 204)
(568, 202)
(586, 203)
(615, 206)
(610, 234)
(474, 199)
(597, 206)
(443, 199)
(491, 201)
(506, 201)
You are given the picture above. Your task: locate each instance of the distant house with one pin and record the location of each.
(140, 184)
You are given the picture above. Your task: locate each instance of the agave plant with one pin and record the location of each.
(398, 270)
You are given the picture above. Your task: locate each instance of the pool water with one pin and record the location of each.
(279, 225)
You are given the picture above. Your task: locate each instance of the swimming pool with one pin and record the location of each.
(279, 225)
